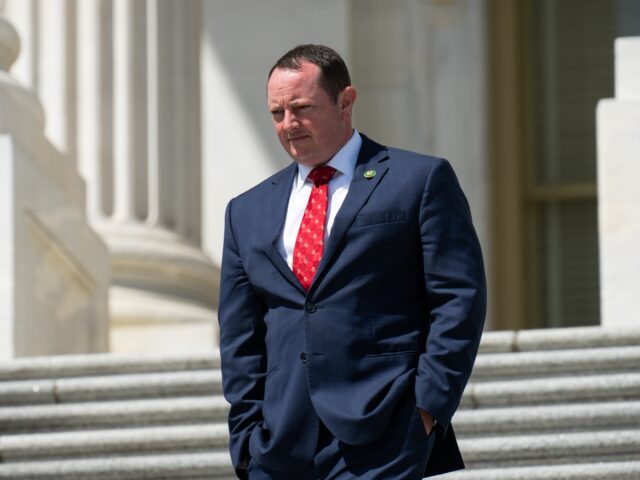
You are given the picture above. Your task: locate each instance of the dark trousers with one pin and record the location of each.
(400, 454)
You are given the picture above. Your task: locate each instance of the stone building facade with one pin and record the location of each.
(143, 118)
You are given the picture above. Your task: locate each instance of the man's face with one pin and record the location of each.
(310, 125)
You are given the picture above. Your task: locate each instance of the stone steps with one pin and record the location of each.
(580, 362)
(113, 414)
(118, 442)
(591, 388)
(553, 448)
(551, 339)
(191, 466)
(482, 393)
(111, 387)
(553, 404)
(593, 417)
(628, 470)
(549, 404)
(105, 364)
(174, 411)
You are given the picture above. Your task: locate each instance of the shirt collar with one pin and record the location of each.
(344, 161)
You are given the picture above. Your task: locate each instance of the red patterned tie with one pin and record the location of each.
(310, 240)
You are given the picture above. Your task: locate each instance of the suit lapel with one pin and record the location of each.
(369, 159)
(275, 214)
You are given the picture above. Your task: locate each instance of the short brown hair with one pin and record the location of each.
(334, 73)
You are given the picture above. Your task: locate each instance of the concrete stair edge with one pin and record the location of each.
(477, 394)
(544, 447)
(62, 366)
(628, 470)
(558, 338)
(556, 363)
(622, 386)
(58, 366)
(213, 465)
(123, 441)
(208, 381)
(489, 422)
(67, 390)
(112, 413)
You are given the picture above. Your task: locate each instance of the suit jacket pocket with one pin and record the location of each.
(392, 354)
(373, 218)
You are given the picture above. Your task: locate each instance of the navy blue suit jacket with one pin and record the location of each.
(396, 307)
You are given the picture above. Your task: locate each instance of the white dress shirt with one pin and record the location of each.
(345, 163)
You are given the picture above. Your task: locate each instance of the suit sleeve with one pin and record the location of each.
(456, 294)
(242, 347)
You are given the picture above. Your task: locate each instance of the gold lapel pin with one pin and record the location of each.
(369, 174)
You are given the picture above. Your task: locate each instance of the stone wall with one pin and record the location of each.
(618, 131)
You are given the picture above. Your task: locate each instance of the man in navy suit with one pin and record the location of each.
(352, 298)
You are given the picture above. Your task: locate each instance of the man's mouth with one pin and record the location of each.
(297, 137)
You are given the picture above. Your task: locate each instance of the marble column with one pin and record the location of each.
(54, 273)
(47, 63)
(618, 137)
(145, 197)
(130, 71)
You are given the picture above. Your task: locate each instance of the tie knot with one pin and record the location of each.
(321, 175)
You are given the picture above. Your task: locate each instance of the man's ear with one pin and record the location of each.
(346, 100)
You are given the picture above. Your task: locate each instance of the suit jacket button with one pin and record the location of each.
(303, 357)
(310, 307)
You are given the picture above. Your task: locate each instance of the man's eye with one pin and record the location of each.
(276, 113)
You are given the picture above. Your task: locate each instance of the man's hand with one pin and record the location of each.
(427, 420)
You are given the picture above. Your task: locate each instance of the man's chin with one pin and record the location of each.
(309, 162)
(306, 157)
(302, 157)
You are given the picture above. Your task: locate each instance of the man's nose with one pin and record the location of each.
(290, 120)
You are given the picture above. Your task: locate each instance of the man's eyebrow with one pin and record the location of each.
(300, 100)
(294, 103)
